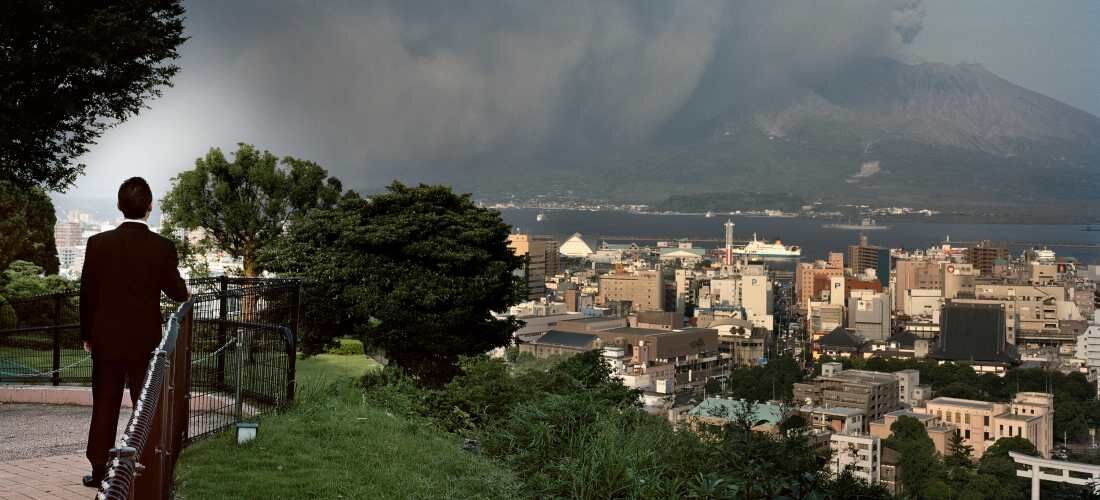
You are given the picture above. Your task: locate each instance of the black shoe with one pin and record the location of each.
(91, 481)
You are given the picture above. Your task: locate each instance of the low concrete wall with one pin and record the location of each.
(50, 395)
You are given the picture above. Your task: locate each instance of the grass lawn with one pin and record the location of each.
(332, 444)
(20, 360)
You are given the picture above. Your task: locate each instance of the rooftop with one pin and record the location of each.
(727, 409)
(1018, 418)
(593, 319)
(567, 339)
(965, 403)
(861, 376)
(836, 410)
(910, 413)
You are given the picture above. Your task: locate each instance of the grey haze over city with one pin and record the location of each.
(425, 91)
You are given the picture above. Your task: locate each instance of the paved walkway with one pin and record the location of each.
(53, 478)
(42, 450)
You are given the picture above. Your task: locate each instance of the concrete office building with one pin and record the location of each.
(912, 274)
(541, 256)
(1030, 415)
(1033, 314)
(923, 303)
(644, 290)
(958, 280)
(807, 276)
(869, 315)
(876, 394)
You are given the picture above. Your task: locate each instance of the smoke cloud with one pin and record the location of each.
(420, 90)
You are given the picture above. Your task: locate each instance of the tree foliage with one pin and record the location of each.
(919, 466)
(69, 70)
(415, 271)
(244, 204)
(772, 381)
(26, 222)
(573, 431)
(25, 279)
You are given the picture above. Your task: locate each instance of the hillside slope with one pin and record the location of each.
(873, 131)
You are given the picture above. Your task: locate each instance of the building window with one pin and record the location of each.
(986, 420)
(966, 419)
(966, 434)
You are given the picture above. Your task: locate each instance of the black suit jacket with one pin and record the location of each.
(125, 270)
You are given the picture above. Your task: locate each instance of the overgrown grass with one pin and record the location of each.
(335, 444)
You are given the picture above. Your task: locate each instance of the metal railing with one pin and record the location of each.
(240, 348)
(40, 340)
(143, 465)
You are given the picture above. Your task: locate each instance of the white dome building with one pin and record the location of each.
(575, 247)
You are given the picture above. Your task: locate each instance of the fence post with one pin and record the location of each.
(291, 359)
(56, 377)
(223, 311)
(292, 346)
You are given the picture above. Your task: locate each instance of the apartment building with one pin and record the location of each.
(984, 255)
(643, 289)
(858, 454)
(876, 394)
(692, 352)
(865, 256)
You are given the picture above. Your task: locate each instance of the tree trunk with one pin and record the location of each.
(249, 264)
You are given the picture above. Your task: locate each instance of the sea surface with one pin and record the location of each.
(816, 241)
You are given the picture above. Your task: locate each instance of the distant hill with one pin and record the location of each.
(873, 131)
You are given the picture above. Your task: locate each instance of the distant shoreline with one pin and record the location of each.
(1039, 220)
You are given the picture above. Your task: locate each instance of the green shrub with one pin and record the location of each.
(347, 347)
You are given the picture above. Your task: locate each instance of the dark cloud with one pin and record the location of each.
(413, 88)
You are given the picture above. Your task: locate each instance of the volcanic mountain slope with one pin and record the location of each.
(872, 131)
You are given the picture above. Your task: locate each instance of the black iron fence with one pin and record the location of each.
(40, 340)
(143, 464)
(242, 344)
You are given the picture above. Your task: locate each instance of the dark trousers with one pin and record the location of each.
(108, 379)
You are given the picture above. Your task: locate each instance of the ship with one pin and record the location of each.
(709, 214)
(867, 224)
(757, 248)
(540, 217)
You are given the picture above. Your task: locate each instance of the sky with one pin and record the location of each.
(391, 88)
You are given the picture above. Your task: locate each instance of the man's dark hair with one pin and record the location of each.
(134, 197)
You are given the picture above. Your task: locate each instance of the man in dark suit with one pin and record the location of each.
(125, 270)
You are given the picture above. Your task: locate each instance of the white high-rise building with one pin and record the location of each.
(859, 454)
(1088, 349)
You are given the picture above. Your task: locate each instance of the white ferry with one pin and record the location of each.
(757, 248)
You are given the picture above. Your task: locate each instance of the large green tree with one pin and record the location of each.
(416, 271)
(26, 227)
(920, 469)
(244, 204)
(70, 69)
